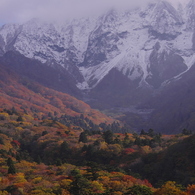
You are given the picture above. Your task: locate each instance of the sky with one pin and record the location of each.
(19, 11)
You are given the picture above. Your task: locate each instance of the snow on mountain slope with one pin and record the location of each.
(145, 43)
(47, 41)
(190, 15)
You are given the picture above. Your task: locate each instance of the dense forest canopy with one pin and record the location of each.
(72, 155)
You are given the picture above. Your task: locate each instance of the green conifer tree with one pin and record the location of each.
(11, 167)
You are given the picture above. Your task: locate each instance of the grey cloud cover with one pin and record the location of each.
(23, 10)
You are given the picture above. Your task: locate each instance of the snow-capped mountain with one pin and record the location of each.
(149, 45)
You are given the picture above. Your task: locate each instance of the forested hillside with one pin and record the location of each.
(53, 144)
(72, 155)
(31, 97)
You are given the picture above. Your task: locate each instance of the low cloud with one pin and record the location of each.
(23, 10)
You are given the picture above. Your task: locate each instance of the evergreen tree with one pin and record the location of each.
(143, 132)
(186, 132)
(151, 133)
(126, 141)
(44, 133)
(65, 151)
(90, 152)
(18, 157)
(117, 140)
(108, 136)
(11, 167)
(38, 159)
(80, 185)
(19, 119)
(1, 141)
(83, 137)
(58, 162)
(138, 141)
(14, 110)
(92, 170)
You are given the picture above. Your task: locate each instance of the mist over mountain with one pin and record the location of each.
(59, 10)
(124, 58)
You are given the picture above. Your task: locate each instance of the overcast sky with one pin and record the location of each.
(23, 10)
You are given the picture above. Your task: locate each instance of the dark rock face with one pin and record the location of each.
(100, 47)
(174, 105)
(116, 90)
(193, 41)
(191, 15)
(166, 21)
(163, 66)
(53, 77)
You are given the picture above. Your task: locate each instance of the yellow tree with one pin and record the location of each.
(3, 193)
(169, 188)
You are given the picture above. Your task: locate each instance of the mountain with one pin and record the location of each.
(28, 96)
(131, 41)
(122, 58)
(174, 106)
(54, 77)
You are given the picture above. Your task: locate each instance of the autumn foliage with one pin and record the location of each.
(54, 144)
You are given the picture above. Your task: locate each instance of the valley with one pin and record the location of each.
(101, 104)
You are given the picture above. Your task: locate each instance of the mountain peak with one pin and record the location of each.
(191, 15)
(123, 40)
(165, 20)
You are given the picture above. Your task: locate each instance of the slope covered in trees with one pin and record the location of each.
(30, 97)
(72, 155)
(52, 143)
(175, 163)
